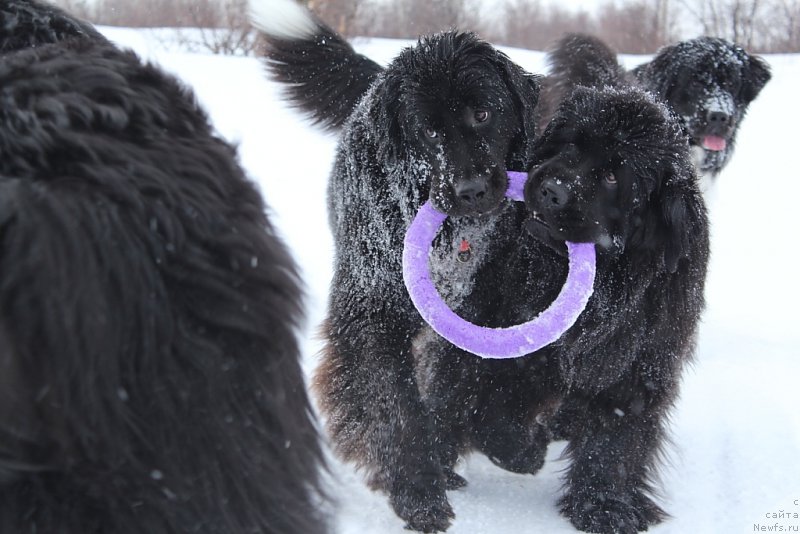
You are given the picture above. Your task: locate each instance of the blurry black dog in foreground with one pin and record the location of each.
(708, 82)
(30, 23)
(149, 375)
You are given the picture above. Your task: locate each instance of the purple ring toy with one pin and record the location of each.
(510, 342)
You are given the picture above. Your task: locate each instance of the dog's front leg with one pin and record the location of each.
(376, 419)
(614, 452)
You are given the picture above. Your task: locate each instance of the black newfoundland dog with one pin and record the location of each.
(442, 122)
(612, 168)
(149, 376)
(708, 82)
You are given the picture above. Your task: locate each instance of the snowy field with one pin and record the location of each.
(735, 463)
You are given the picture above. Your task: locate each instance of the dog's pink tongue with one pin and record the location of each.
(713, 142)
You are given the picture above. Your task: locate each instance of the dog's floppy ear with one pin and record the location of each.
(682, 214)
(525, 88)
(658, 75)
(386, 115)
(756, 76)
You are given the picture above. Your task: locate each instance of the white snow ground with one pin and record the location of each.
(735, 463)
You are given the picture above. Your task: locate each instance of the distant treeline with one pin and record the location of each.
(629, 26)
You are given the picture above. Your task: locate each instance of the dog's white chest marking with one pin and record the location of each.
(455, 261)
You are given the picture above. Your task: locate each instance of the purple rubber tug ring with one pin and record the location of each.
(511, 342)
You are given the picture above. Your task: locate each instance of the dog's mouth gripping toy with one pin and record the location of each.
(497, 343)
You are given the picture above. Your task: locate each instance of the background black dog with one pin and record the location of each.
(613, 169)
(442, 122)
(708, 82)
(149, 376)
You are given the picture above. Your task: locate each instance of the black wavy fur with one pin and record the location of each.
(150, 380)
(26, 24)
(708, 82)
(313, 70)
(613, 169)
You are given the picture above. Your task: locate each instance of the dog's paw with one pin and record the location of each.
(611, 514)
(526, 461)
(515, 448)
(453, 480)
(423, 509)
(518, 456)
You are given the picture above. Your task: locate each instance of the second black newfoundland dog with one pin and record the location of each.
(707, 81)
(149, 375)
(613, 169)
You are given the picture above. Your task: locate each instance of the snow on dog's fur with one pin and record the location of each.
(708, 82)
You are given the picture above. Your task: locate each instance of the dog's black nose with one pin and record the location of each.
(553, 194)
(470, 190)
(718, 118)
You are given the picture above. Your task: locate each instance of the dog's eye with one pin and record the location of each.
(611, 179)
(482, 115)
(430, 133)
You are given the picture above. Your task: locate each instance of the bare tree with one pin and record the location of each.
(221, 26)
(757, 25)
(341, 15)
(635, 27)
(779, 30)
(529, 24)
(140, 14)
(412, 18)
(790, 16)
(632, 26)
(80, 8)
(735, 20)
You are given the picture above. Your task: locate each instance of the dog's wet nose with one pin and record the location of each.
(553, 194)
(471, 190)
(718, 118)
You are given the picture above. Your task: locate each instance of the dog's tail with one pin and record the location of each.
(580, 59)
(324, 76)
(576, 60)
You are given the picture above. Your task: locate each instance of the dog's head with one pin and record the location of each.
(612, 168)
(463, 112)
(709, 82)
